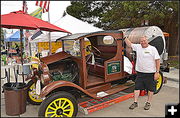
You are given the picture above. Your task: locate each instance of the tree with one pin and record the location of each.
(113, 15)
(2, 36)
(165, 15)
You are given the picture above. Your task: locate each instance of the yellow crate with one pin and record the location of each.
(55, 45)
(45, 46)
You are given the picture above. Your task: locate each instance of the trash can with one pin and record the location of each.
(15, 98)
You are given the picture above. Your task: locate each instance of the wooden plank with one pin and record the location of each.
(93, 80)
(99, 88)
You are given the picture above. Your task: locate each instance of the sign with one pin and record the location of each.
(113, 67)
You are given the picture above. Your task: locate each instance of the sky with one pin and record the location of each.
(56, 8)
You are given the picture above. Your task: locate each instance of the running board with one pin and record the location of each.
(114, 89)
(94, 105)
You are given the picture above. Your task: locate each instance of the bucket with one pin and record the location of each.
(15, 98)
(143, 92)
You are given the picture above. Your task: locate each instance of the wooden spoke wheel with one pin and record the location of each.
(32, 97)
(159, 83)
(59, 104)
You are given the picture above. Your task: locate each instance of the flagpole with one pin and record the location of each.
(26, 41)
(21, 38)
(50, 47)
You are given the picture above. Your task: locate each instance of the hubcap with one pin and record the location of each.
(59, 111)
(60, 107)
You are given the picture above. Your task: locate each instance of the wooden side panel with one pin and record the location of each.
(113, 63)
(96, 69)
(83, 73)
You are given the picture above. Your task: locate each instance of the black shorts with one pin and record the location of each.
(145, 81)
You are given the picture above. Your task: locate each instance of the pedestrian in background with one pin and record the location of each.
(17, 49)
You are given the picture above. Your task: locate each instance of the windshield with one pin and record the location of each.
(72, 47)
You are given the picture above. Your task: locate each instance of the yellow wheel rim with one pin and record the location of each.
(32, 94)
(159, 82)
(61, 107)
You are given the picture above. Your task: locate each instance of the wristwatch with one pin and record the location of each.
(157, 71)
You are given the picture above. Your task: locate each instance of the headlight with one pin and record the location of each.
(45, 68)
(45, 78)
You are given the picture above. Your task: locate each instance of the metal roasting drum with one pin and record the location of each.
(153, 33)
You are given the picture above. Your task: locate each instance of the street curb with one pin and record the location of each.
(173, 79)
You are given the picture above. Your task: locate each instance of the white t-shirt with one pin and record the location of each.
(145, 59)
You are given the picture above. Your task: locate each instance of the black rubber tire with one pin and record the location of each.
(29, 84)
(54, 96)
(157, 90)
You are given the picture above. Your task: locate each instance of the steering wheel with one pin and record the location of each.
(97, 52)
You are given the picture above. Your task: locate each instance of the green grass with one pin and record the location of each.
(174, 62)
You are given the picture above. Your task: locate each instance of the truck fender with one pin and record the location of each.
(57, 84)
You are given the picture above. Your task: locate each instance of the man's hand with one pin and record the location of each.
(156, 75)
(128, 42)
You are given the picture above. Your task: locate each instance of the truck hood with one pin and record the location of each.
(55, 57)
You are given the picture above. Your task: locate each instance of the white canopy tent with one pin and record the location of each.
(67, 22)
(71, 24)
(45, 37)
(75, 25)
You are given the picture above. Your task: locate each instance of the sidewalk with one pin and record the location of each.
(173, 75)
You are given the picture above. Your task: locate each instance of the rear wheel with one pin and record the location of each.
(59, 104)
(159, 83)
(32, 97)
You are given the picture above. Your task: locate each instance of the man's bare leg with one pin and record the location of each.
(136, 95)
(148, 102)
(150, 95)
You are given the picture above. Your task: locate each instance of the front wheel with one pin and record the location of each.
(159, 83)
(59, 104)
(32, 97)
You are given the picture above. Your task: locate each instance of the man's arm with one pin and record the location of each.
(157, 65)
(128, 42)
(156, 75)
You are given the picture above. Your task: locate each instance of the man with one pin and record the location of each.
(147, 68)
(17, 49)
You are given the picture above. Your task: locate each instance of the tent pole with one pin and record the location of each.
(30, 51)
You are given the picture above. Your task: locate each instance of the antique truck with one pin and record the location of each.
(96, 70)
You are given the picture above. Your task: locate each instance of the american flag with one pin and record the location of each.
(44, 5)
(25, 8)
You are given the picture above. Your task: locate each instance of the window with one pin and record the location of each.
(72, 47)
(108, 40)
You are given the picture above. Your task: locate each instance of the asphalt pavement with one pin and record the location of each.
(168, 94)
